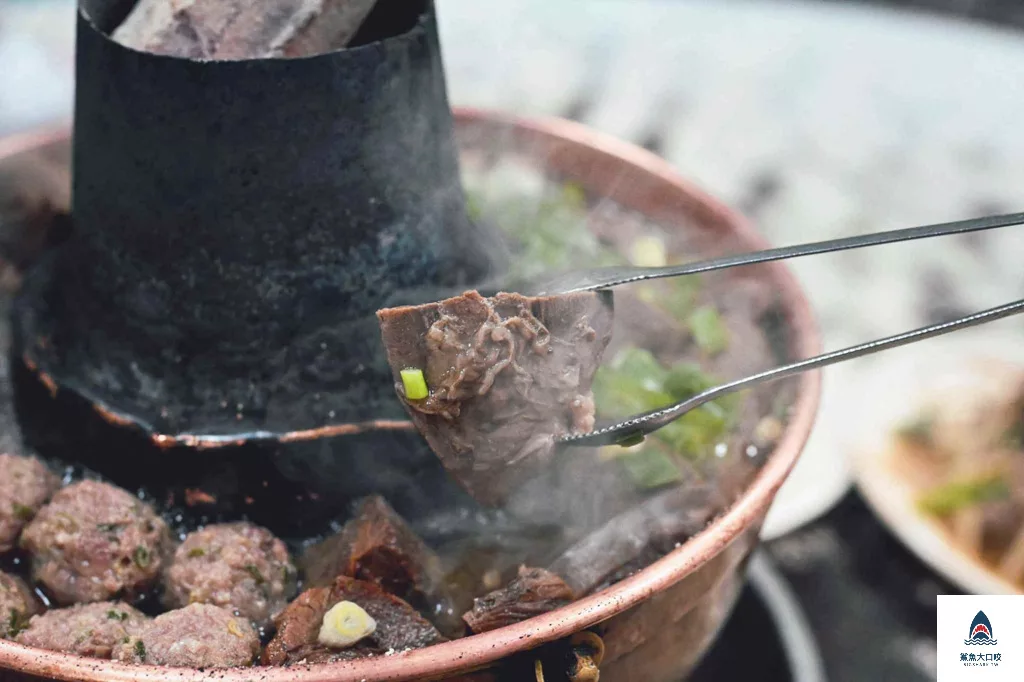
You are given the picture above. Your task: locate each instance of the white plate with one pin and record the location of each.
(822, 474)
(895, 391)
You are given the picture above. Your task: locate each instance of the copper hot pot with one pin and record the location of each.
(656, 624)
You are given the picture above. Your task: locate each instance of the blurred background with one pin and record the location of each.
(816, 119)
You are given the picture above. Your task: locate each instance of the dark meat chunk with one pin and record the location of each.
(533, 592)
(398, 626)
(197, 636)
(379, 547)
(238, 566)
(242, 29)
(87, 630)
(25, 485)
(95, 542)
(298, 629)
(507, 376)
(657, 525)
(17, 605)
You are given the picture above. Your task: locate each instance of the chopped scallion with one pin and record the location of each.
(15, 624)
(649, 252)
(141, 556)
(415, 384)
(636, 382)
(651, 468)
(22, 512)
(709, 331)
(1015, 436)
(255, 573)
(686, 380)
(631, 440)
(918, 431)
(952, 497)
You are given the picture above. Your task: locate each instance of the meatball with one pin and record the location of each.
(25, 485)
(197, 636)
(238, 566)
(95, 542)
(87, 630)
(17, 604)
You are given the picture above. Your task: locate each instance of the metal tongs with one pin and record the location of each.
(633, 429)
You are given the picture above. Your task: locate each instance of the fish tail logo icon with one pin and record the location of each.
(981, 632)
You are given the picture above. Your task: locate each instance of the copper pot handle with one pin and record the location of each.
(586, 651)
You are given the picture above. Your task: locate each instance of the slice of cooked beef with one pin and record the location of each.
(533, 592)
(399, 626)
(507, 376)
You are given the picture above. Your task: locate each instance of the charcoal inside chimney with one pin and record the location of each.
(252, 29)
